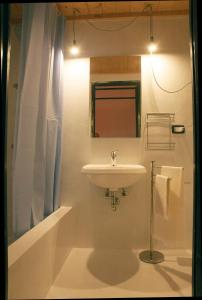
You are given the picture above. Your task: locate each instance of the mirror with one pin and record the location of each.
(115, 96)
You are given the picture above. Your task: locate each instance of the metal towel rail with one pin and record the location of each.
(159, 121)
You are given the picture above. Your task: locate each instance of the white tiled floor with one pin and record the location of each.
(93, 273)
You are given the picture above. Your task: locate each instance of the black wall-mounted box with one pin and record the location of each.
(178, 129)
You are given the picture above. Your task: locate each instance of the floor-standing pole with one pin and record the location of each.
(151, 209)
(151, 256)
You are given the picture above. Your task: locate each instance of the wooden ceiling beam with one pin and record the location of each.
(128, 14)
(111, 10)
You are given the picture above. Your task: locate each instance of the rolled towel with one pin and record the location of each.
(161, 195)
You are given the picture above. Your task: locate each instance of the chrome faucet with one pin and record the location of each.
(113, 157)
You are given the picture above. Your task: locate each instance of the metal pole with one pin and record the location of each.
(151, 209)
(151, 256)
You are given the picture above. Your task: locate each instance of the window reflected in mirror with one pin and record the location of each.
(115, 96)
(116, 108)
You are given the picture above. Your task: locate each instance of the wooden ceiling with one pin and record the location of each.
(111, 9)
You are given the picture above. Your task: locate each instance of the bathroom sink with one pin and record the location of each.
(114, 177)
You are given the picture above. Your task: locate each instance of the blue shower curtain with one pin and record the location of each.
(37, 142)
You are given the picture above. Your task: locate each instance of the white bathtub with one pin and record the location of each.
(35, 259)
(49, 249)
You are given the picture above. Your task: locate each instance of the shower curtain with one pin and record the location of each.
(37, 142)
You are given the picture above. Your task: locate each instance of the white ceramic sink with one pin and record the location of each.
(113, 177)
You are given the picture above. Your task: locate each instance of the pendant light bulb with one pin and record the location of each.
(74, 50)
(152, 47)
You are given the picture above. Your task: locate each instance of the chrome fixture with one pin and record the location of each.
(114, 198)
(115, 201)
(124, 194)
(113, 157)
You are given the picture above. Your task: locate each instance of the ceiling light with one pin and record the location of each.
(152, 47)
(74, 50)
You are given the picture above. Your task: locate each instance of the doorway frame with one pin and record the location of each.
(197, 201)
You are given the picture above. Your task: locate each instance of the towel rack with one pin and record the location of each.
(151, 256)
(162, 140)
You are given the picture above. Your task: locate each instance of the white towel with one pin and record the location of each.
(161, 195)
(176, 176)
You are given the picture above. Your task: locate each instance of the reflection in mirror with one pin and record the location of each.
(115, 96)
(115, 108)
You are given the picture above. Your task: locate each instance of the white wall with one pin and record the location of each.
(97, 225)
